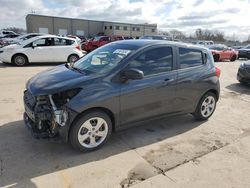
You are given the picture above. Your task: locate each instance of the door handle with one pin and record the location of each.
(166, 81)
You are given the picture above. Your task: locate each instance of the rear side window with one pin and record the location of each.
(190, 58)
(154, 61)
(63, 42)
(105, 39)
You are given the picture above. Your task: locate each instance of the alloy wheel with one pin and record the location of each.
(208, 106)
(93, 132)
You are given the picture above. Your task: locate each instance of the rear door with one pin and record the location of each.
(62, 49)
(153, 95)
(191, 78)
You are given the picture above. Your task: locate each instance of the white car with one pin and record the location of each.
(21, 38)
(4, 33)
(46, 48)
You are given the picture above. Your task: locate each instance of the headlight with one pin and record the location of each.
(63, 97)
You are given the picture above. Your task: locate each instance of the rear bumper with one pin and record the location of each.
(244, 55)
(243, 75)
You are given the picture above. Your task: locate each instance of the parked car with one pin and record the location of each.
(98, 41)
(127, 38)
(244, 73)
(222, 52)
(4, 37)
(47, 48)
(237, 47)
(20, 38)
(3, 33)
(203, 43)
(156, 37)
(119, 85)
(244, 52)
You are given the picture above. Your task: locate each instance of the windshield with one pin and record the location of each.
(218, 48)
(104, 59)
(97, 38)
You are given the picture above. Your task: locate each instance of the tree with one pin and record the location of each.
(209, 35)
(176, 34)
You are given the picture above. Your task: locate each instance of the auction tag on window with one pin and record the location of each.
(122, 51)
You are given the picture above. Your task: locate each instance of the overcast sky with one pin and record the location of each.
(229, 16)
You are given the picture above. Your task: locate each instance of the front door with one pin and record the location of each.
(41, 50)
(154, 95)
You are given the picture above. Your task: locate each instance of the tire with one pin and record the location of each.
(216, 57)
(233, 58)
(204, 110)
(243, 82)
(72, 58)
(84, 131)
(19, 60)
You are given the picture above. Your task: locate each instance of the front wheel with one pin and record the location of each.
(90, 131)
(216, 57)
(233, 58)
(19, 60)
(206, 107)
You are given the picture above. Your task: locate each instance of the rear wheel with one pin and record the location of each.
(73, 58)
(233, 58)
(19, 60)
(206, 107)
(90, 131)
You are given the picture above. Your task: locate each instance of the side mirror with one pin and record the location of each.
(133, 74)
(34, 45)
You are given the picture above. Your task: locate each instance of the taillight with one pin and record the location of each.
(217, 72)
(78, 47)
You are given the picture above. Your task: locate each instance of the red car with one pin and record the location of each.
(222, 52)
(100, 41)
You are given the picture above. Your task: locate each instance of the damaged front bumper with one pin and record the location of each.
(45, 120)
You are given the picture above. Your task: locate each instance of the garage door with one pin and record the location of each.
(43, 30)
(63, 31)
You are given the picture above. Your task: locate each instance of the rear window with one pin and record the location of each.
(190, 58)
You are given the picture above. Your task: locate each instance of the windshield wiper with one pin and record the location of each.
(74, 68)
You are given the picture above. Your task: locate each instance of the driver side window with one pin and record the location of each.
(154, 61)
(43, 42)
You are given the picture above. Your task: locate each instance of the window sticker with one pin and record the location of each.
(122, 51)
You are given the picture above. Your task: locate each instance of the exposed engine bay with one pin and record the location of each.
(46, 114)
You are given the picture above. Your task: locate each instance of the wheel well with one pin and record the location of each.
(19, 54)
(73, 54)
(216, 56)
(214, 92)
(105, 110)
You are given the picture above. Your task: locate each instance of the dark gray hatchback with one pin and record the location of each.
(118, 85)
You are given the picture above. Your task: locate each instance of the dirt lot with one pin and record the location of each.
(174, 152)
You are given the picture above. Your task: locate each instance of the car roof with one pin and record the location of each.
(44, 36)
(142, 43)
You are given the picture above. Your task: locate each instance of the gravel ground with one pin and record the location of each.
(173, 152)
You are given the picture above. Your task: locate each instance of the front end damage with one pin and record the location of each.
(47, 116)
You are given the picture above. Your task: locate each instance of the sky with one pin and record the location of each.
(228, 16)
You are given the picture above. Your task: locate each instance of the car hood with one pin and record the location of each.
(246, 64)
(11, 46)
(242, 49)
(57, 79)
